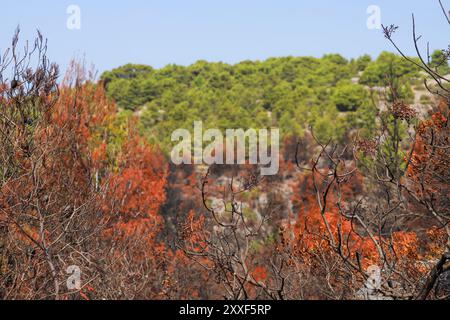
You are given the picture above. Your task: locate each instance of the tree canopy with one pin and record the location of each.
(291, 93)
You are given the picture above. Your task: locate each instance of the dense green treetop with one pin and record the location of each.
(291, 93)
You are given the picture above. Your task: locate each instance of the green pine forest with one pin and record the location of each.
(330, 94)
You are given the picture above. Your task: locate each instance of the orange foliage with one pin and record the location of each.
(311, 234)
(259, 274)
(430, 158)
(136, 190)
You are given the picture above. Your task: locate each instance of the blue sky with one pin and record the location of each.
(159, 32)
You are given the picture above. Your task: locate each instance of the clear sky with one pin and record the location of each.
(159, 32)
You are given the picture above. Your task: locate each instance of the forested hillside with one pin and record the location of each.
(331, 94)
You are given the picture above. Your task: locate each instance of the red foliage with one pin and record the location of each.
(311, 234)
(136, 191)
(259, 274)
